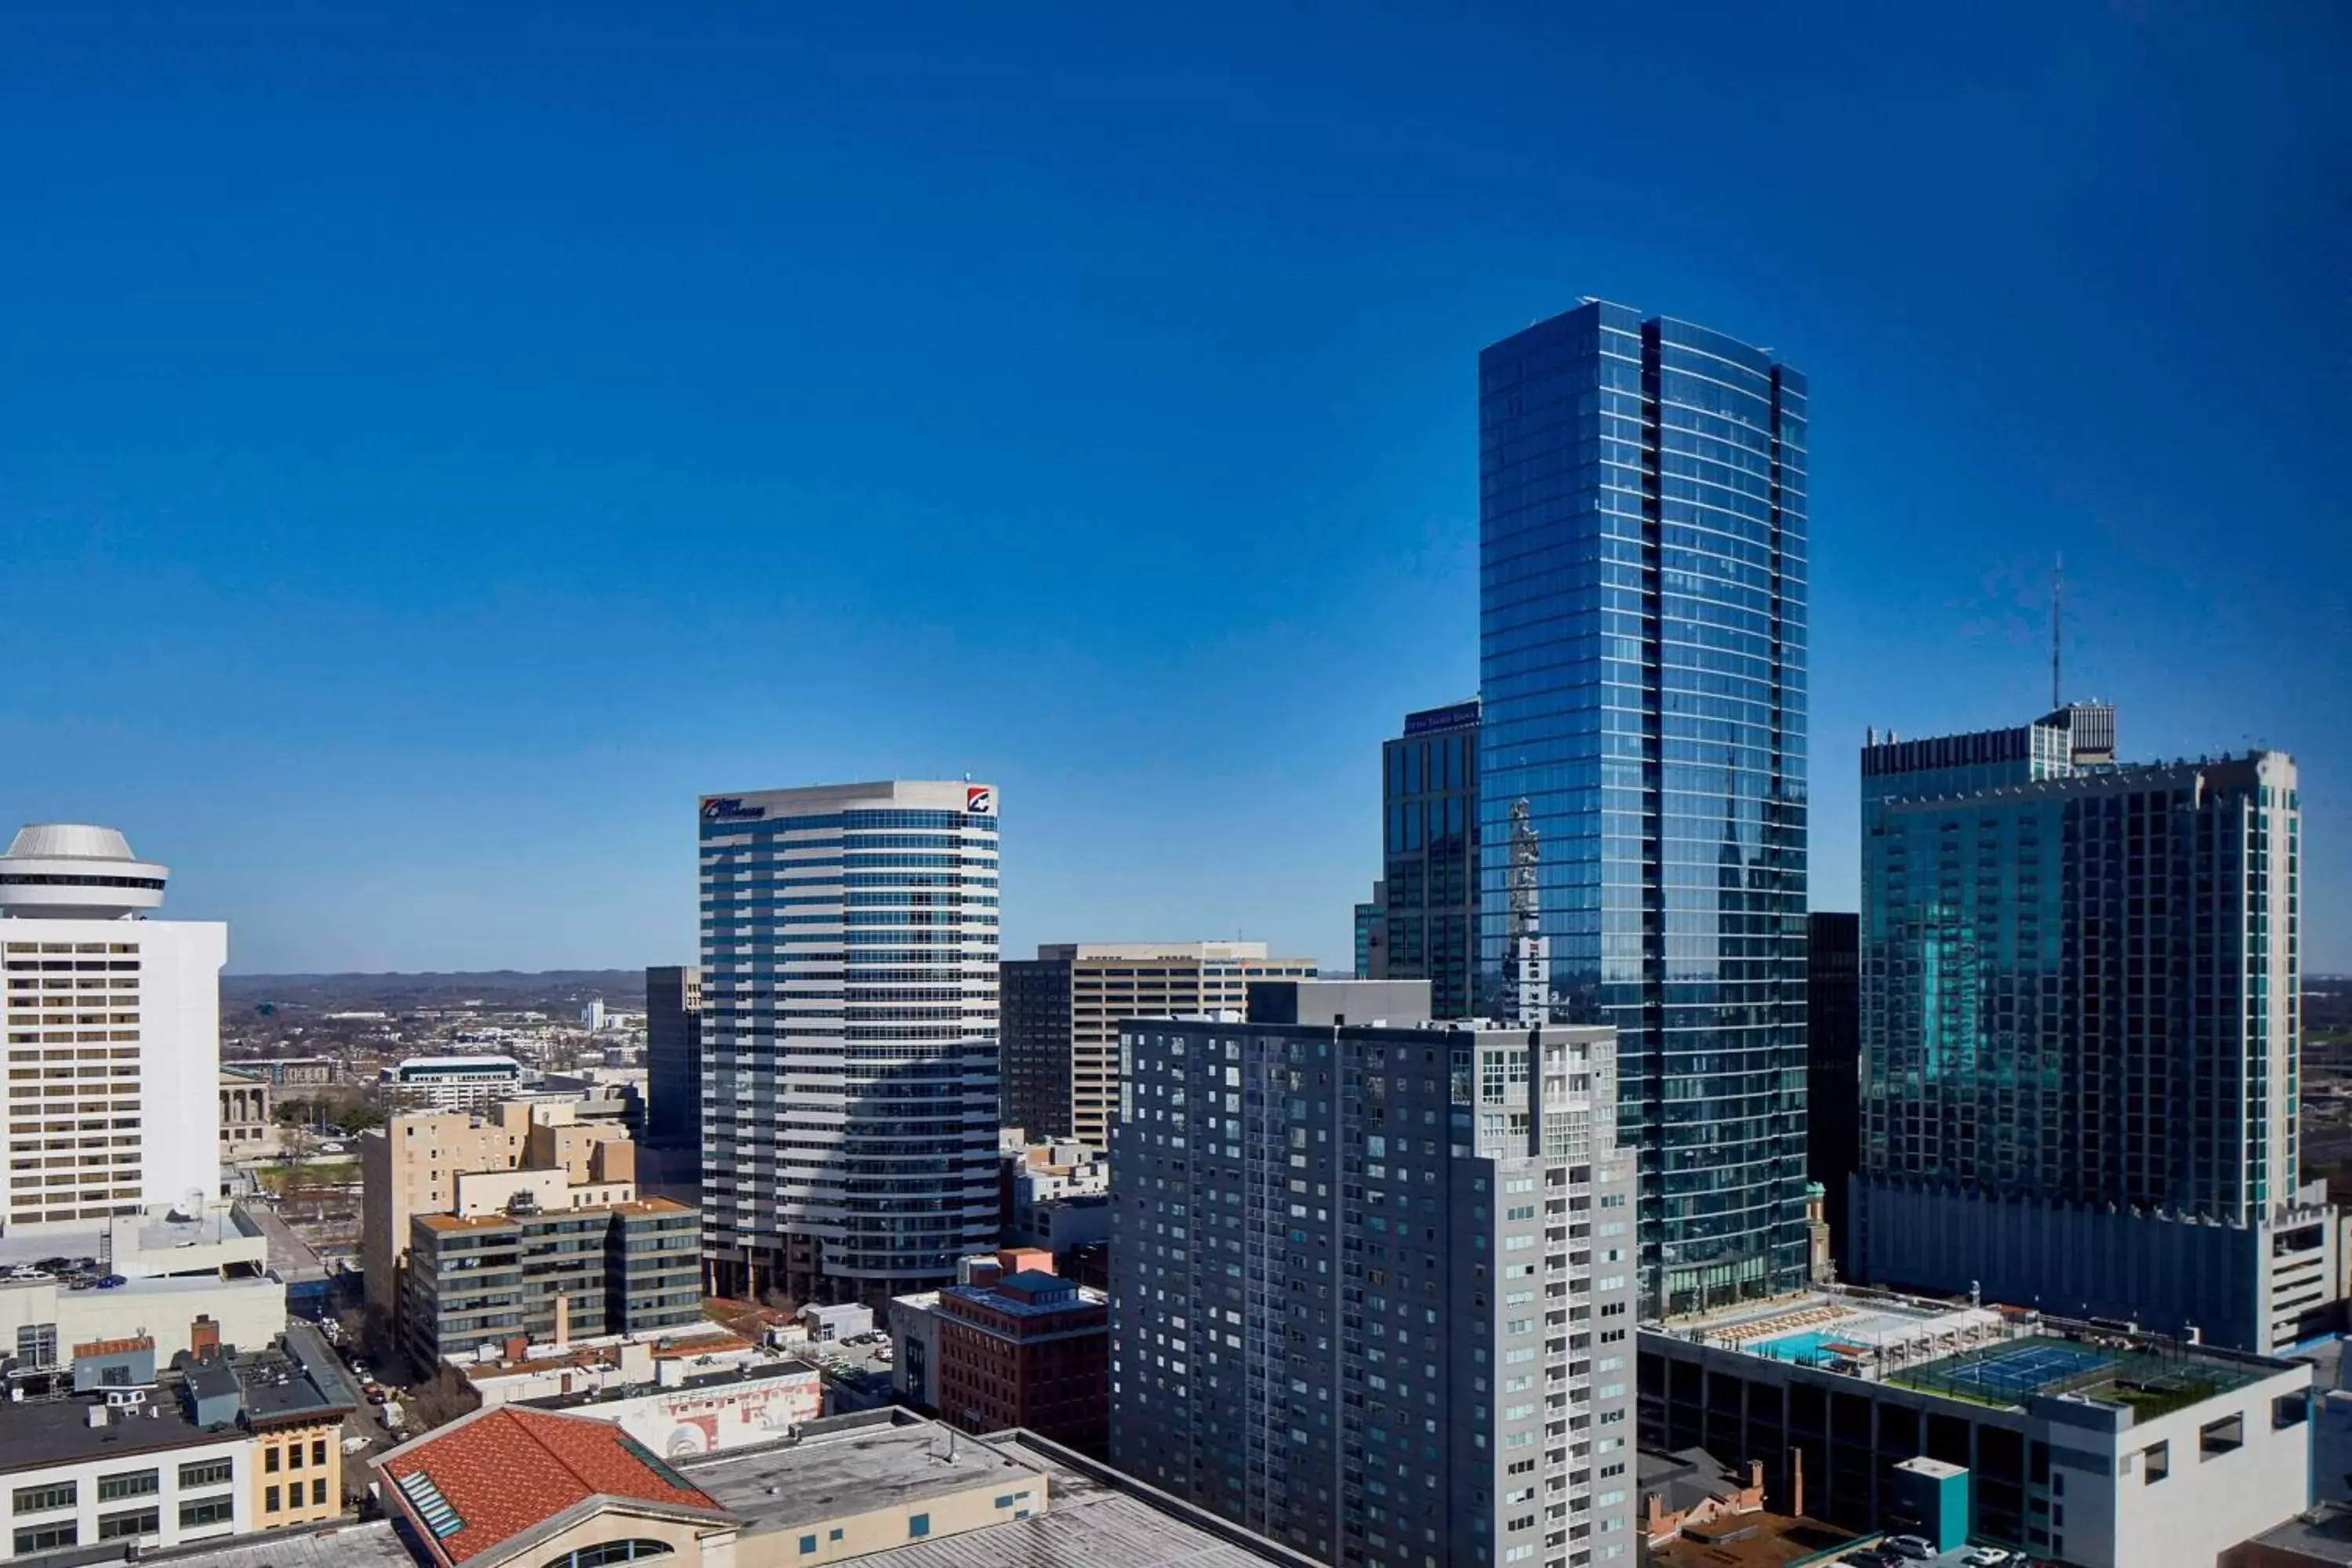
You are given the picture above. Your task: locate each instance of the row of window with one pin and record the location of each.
(129, 1524)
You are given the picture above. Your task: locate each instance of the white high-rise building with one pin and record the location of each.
(849, 1036)
(114, 1034)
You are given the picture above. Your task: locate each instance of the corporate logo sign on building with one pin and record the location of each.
(731, 808)
(979, 800)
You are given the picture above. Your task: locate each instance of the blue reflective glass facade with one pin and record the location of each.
(1429, 900)
(1642, 640)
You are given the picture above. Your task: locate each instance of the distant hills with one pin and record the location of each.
(507, 989)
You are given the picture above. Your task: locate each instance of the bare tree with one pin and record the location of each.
(441, 1399)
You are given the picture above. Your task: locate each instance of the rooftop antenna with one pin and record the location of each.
(2057, 611)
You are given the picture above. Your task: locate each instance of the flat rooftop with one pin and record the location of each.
(1997, 1356)
(747, 1375)
(39, 1434)
(883, 1465)
(375, 1544)
(1754, 1540)
(1094, 1517)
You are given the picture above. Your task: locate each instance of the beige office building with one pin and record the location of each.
(457, 1161)
(1062, 1011)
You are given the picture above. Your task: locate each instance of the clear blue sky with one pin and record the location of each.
(437, 442)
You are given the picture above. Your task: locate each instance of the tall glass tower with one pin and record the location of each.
(1642, 648)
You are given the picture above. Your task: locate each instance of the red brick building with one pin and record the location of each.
(1026, 1349)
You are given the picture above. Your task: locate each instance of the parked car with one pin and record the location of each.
(1915, 1547)
(1991, 1557)
(111, 1280)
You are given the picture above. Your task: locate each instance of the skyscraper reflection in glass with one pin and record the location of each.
(1642, 641)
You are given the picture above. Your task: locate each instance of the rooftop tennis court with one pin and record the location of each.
(2149, 1379)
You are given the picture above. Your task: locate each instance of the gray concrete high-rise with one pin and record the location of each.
(1429, 888)
(2080, 985)
(1063, 1010)
(1641, 665)
(1372, 1284)
(849, 1092)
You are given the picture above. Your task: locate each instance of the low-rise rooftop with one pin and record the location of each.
(2000, 1356)
(857, 1467)
(40, 1434)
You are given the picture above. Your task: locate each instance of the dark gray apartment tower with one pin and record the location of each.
(1371, 938)
(1040, 1050)
(2080, 985)
(1428, 894)
(673, 1056)
(1372, 1288)
(1641, 665)
(1833, 1064)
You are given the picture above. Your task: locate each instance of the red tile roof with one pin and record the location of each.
(115, 1347)
(506, 1471)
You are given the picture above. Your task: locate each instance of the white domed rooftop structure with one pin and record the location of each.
(74, 871)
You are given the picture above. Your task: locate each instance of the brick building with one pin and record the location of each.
(1026, 1347)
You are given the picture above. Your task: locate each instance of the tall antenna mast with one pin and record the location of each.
(2057, 603)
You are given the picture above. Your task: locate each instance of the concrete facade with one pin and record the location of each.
(2096, 1473)
(1063, 1008)
(112, 1027)
(1372, 1288)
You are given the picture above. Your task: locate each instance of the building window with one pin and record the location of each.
(128, 1484)
(269, 1460)
(609, 1551)
(319, 1492)
(808, 1544)
(294, 1455)
(131, 1522)
(2224, 1437)
(918, 1525)
(210, 1510)
(40, 1500)
(318, 1451)
(2155, 1463)
(45, 1537)
(207, 1473)
(269, 1501)
(36, 1344)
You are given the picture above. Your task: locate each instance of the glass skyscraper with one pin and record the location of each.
(1642, 642)
(1428, 892)
(2078, 995)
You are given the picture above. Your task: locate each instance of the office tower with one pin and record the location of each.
(673, 1056)
(849, 1056)
(1429, 916)
(1371, 938)
(113, 1026)
(1642, 646)
(1064, 1007)
(1833, 1064)
(1372, 1286)
(2080, 985)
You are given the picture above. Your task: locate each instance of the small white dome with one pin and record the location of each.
(68, 841)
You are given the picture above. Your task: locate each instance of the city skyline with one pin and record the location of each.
(463, 427)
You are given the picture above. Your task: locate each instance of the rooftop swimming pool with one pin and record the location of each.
(1802, 1348)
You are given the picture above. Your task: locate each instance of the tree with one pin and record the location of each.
(441, 1399)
